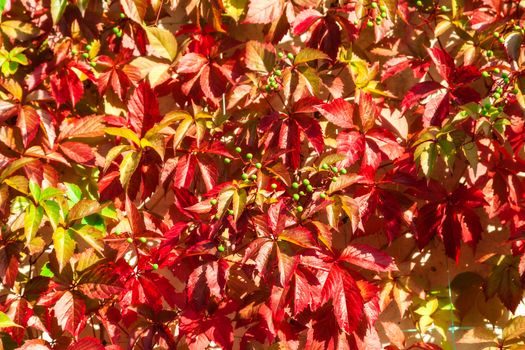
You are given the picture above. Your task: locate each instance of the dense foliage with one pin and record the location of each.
(261, 174)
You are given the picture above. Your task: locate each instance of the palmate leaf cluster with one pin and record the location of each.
(261, 174)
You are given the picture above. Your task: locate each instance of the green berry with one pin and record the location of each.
(309, 188)
(504, 75)
(500, 109)
(295, 185)
(369, 24)
(74, 51)
(280, 54)
(302, 193)
(499, 88)
(334, 179)
(490, 53)
(244, 176)
(274, 186)
(122, 15)
(299, 209)
(343, 171)
(485, 74)
(230, 211)
(515, 90)
(383, 14)
(374, 5)
(516, 27)
(497, 70)
(129, 240)
(238, 149)
(155, 266)
(497, 95)
(253, 177)
(213, 201)
(143, 239)
(487, 105)
(217, 216)
(93, 64)
(258, 165)
(325, 166)
(306, 182)
(334, 169)
(383, 8)
(271, 79)
(290, 56)
(115, 30)
(278, 72)
(220, 248)
(506, 80)
(378, 20)
(227, 160)
(268, 88)
(296, 196)
(88, 47)
(496, 34)
(501, 40)
(419, 3)
(322, 195)
(119, 34)
(444, 8)
(85, 55)
(249, 156)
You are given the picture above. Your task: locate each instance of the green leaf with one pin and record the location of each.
(14, 166)
(64, 246)
(91, 235)
(83, 208)
(5, 321)
(18, 182)
(470, 150)
(52, 210)
(35, 190)
(109, 212)
(162, 42)
(73, 192)
(447, 149)
(515, 328)
(82, 6)
(45, 271)
(2, 6)
(114, 153)
(18, 30)
(50, 192)
(426, 154)
(125, 133)
(234, 8)
(239, 203)
(128, 166)
(259, 57)
(32, 221)
(308, 54)
(225, 198)
(57, 9)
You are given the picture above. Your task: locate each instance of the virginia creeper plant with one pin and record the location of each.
(262, 174)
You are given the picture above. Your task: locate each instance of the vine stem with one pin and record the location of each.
(453, 326)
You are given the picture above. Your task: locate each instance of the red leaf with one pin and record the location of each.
(143, 108)
(185, 171)
(419, 92)
(70, 313)
(191, 63)
(338, 112)
(136, 222)
(264, 11)
(28, 122)
(444, 63)
(78, 152)
(351, 144)
(346, 298)
(304, 20)
(212, 82)
(368, 258)
(86, 343)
